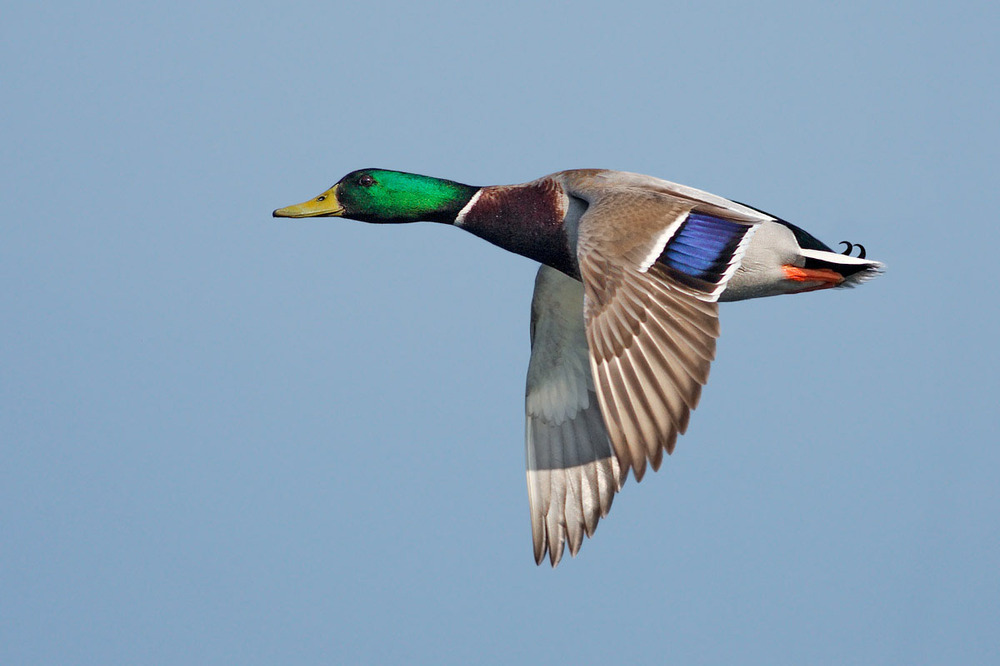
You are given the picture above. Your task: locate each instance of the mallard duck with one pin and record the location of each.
(624, 315)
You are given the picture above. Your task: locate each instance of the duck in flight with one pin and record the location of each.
(624, 315)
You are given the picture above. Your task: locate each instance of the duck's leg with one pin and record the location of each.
(812, 278)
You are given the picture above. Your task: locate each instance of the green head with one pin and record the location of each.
(377, 195)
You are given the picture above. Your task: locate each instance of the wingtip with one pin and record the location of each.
(555, 555)
(672, 441)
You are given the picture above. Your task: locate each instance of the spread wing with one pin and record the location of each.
(572, 472)
(651, 346)
(652, 264)
(618, 362)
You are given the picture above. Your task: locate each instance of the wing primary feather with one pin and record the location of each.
(630, 421)
(612, 420)
(657, 404)
(676, 355)
(640, 386)
(573, 478)
(673, 400)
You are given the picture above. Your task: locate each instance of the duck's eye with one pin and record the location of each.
(321, 197)
(366, 181)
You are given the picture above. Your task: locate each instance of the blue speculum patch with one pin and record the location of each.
(703, 246)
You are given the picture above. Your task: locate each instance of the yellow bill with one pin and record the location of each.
(325, 205)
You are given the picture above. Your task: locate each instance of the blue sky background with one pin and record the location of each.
(233, 439)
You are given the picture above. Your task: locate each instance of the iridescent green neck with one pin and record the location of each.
(378, 195)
